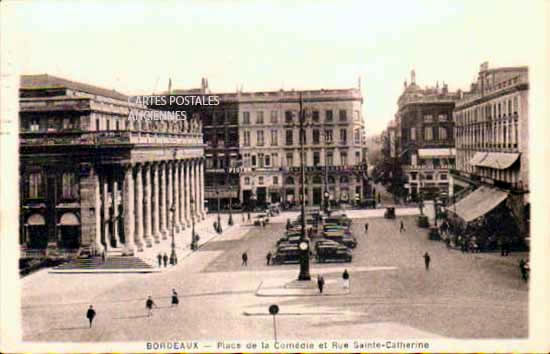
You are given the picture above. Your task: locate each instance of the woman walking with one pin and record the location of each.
(175, 299)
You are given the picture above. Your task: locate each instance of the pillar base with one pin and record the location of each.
(148, 242)
(165, 235)
(129, 250)
(177, 228)
(139, 247)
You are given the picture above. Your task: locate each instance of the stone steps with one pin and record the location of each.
(111, 263)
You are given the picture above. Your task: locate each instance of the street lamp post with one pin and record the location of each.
(173, 256)
(326, 195)
(304, 243)
(230, 221)
(219, 228)
(193, 238)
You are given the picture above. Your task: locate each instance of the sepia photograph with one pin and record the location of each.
(274, 176)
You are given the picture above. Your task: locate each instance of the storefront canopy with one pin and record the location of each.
(478, 203)
(497, 160)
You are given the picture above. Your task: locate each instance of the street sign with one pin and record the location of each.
(273, 309)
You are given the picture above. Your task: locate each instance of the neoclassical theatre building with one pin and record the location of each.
(93, 179)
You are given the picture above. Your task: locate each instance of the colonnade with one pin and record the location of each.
(154, 198)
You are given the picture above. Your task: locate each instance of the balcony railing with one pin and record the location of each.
(116, 137)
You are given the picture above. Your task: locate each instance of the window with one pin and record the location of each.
(289, 159)
(246, 138)
(289, 180)
(344, 179)
(274, 138)
(328, 115)
(357, 136)
(428, 118)
(316, 136)
(343, 136)
(515, 104)
(343, 158)
(267, 160)
(357, 157)
(247, 180)
(328, 136)
(429, 176)
(413, 133)
(35, 125)
(35, 185)
(69, 186)
(260, 138)
(246, 117)
(443, 176)
(261, 160)
(343, 115)
(289, 137)
(413, 176)
(274, 117)
(435, 163)
(260, 117)
(97, 128)
(442, 133)
(316, 158)
(261, 180)
(253, 160)
(315, 116)
(289, 117)
(330, 159)
(428, 133)
(107, 128)
(275, 159)
(356, 116)
(247, 160)
(304, 137)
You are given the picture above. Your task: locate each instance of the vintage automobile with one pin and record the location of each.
(259, 218)
(389, 213)
(274, 209)
(292, 239)
(341, 235)
(286, 254)
(332, 252)
(338, 219)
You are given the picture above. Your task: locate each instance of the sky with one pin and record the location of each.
(135, 47)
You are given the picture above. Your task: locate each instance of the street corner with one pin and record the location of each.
(295, 288)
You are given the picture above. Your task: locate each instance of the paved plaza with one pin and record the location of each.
(391, 296)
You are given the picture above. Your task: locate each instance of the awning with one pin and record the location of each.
(69, 219)
(497, 160)
(425, 153)
(36, 219)
(478, 203)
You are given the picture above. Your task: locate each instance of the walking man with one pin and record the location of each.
(149, 306)
(268, 257)
(523, 269)
(427, 260)
(366, 227)
(165, 259)
(159, 258)
(401, 226)
(90, 314)
(320, 283)
(345, 278)
(175, 299)
(245, 259)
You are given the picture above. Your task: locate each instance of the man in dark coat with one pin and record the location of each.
(427, 260)
(165, 259)
(175, 299)
(245, 259)
(268, 257)
(366, 227)
(159, 258)
(345, 278)
(523, 269)
(90, 314)
(320, 283)
(149, 306)
(401, 226)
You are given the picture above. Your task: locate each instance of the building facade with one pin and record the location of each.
(94, 179)
(425, 134)
(492, 144)
(334, 146)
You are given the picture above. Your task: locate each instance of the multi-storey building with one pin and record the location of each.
(425, 138)
(92, 178)
(334, 146)
(492, 144)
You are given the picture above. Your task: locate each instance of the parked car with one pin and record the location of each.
(286, 254)
(274, 209)
(293, 239)
(389, 213)
(327, 252)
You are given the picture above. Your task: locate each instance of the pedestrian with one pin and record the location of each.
(427, 260)
(103, 257)
(90, 314)
(268, 257)
(248, 216)
(149, 304)
(245, 259)
(320, 283)
(523, 269)
(165, 259)
(401, 226)
(366, 227)
(175, 299)
(159, 258)
(345, 278)
(243, 217)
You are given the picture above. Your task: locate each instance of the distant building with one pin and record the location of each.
(425, 128)
(492, 145)
(94, 180)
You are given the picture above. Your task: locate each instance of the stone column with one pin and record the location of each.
(181, 184)
(114, 193)
(162, 197)
(192, 187)
(97, 210)
(129, 221)
(187, 187)
(139, 208)
(201, 188)
(170, 195)
(147, 221)
(106, 216)
(156, 203)
(196, 190)
(177, 190)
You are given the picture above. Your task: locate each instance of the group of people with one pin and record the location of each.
(149, 305)
(345, 281)
(162, 258)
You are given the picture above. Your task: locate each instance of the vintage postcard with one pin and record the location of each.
(274, 176)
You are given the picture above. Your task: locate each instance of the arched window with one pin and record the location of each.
(317, 179)
(344, 179)
(289, 180)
